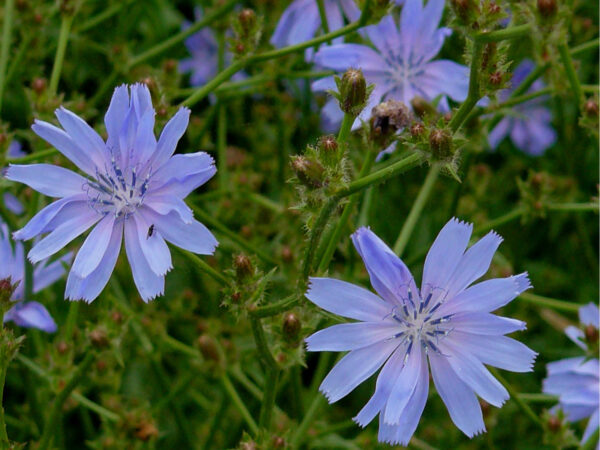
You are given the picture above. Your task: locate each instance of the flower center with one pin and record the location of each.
(117, 191)
(419, 322)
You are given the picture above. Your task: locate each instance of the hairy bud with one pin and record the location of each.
(554, 424)
(352, 91)
(465, 10)
(99, 338)
(387, 118)
(208, 348)
(308, 171)
(247, 18)
(291, 327)
(417, 129)
(591, 334)
(6, 291)
(327, 144)
(422, 107)
(590, 108)
(547, 8)
(440, 142)
(243, 266)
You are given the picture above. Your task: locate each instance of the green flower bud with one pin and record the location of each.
(308, 171)
(352, 92)
(291, 327)
(440, 142)
(243, 266)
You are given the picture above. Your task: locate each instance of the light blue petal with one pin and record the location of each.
(149, 284)
(445, 77)
(577, 336)
(402, 432)
(350, 336)
(31, 315)
(499, 132)
(445, 253)
(385, 36)
(347, 300)
(164, 204)
(153, 246)
(473, 373)
(13, 204)
(172, 132)
(389, 275)
(345, 56)
(62, 235)
(53, 181)
(497, 351)
(404, 387)
(461, 402)
(45, 275)
(589, 315)
(89, 288)
(591, 427)
(116, 114)
(474, 263)
(354, 368)
(64, 144)
(93, 249)
(486, 323)
(411, 20)
(194, 237)
(145, 142)
(180, 167)
(83, 135)
(286, 22)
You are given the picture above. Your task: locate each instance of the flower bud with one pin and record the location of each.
(496, 78)
(554, 424)
(591, 334)
(145, 431)
(547, 8)
(590, 108)
(327, 144)
(465, 10)
(417, 129)
(243, 266)
(353, 91)
(422, 107)
(247, 18)
(440, 142)
(308, 171)
(7, 288)
(291, 327)
(39, 85)
(99, 338)
(208, 348)
(387, 118)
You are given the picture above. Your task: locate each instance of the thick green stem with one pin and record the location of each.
(56, 411)
(276, 308)
(261, 344)
(538, 398)
(316, 232)
(268, 403)
(6, 40)
(63, 39)
(201, 265)
(565, 57)
(238, 403)
(501, 35)
(473, 94)
(416, 209)
(547, 302)
(323, 15)
(345, 129)
(573, 207)
(518, 400)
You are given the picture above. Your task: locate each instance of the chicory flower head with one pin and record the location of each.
(576, 381)
(400, 62)
(24, 313)
(529, 127)
(132, 185)
(447, 322)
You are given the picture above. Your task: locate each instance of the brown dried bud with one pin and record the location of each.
(440, 142)
(99, 338)
(38, 18)
(243, 266)
(246, 231)
(547, 8)
(590, 108)
(286, 254)
(170, 65)
(62, 347)
(6, 290)
(591, 334)
(496, 78)
(208, 348)
(236, 297)
(146, 431)
(387, 118)
(554, 424)
(353, 91)
(116, 317)
(417, 129)
(494, 8)
(327, 144)
(422, 107)
(39, 85)
(247, 18)
(291, 327)
(308, 171)
(465, 10)
(278, 442)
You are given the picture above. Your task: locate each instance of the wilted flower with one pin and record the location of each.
(530, 126)
(301, 20)
(576, 381)
(400, 65)
(446, 322)
(132, 184)
(25, 313)
(11, 202)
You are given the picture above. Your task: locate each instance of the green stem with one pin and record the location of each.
(501, 35)
(103, 16)
(18, 58)
(345, 130)
(239, 404)
(182, 35)
(63, 39)
(560, 305)
(316, 232)
(51, 424)
(201, 265)
(499, 221)
(3, 370)
(275, 308)
(473, 94)
(565, 57)
(93, 406)
(573, 207)
(310, 415)
(71, 319)
(261, 344)
(6, 40)
(241, 64)
(323, 16)
(538, 398)
(522, 98)
(416, 209)
(268, 403)
(515, 396)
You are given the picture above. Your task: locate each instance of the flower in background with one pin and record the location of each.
(25, 313)
(133, 185)
(203, 64)
(576, 381)
(301, 20)
(448, 322)
(529, 125)
(11, 202)
(400, 62)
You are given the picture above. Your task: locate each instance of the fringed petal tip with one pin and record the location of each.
(461, 223)
(522, 282)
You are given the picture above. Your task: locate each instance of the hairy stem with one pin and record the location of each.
(565, 57)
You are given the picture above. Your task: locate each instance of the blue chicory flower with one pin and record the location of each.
(133, 185)
(301, 20)
(576, 381)
(28, 314)
(529, 127)
(400, 62)
(11, 202)
(448, 322)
